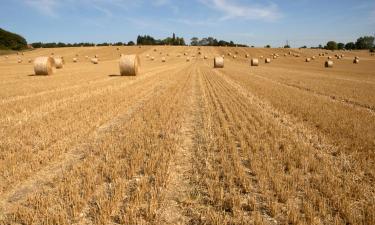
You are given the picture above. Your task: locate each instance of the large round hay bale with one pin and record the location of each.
(44, 66)
(94, 60)
(129, 65)
(59, 62)
(356, 61)
(313, 58)
(218, 62)
(162, 59)
(254, 62)
(328, 64)
(307, 59)
(267, 60)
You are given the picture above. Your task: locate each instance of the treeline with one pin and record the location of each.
(366, 42)
(148, 40)
(11, 41)
(84, 44)
(210, 41)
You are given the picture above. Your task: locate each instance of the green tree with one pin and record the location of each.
(366, 42)
(350, 46)
(12, 41)
(340, 46)
(194, 41)
(331, 45)
(131, 43)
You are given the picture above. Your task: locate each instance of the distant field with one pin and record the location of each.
(288, 142)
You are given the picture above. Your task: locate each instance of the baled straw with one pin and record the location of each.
(218, 62)
(129, 65)
(44, 66)
(254, 62)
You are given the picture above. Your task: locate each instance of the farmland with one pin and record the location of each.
(288, 142)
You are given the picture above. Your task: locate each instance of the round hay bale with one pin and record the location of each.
(30, 60)
(307, 59)
(75, 60)
(7, 57)
(152, 58)
(261, 57)
(205, 57)
(185, 53)
(129, 65)
(328, 64)
(356, 61)
(254, 62)
(247, 56)
(187, 59)
(229, 54)
(19, 60)
(77, 55)
(59, 62)
(44, 66)
(218, 62)
(267, 60)
(329, 57)
(285, 54)
(313, 58)
(234, 56)
(155, 49)
(94, 60)
(118, 49)
(274, 57)
(162, 59)
(148, 56)
(87, 57)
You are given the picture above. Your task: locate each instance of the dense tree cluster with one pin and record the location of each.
(11, 41)
(148, 40)
(210, 41)
(366, 42)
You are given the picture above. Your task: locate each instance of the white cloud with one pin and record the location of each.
(232, 10)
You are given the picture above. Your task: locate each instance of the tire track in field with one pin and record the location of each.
(178, 185)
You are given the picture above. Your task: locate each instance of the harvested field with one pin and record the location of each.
(186, 143)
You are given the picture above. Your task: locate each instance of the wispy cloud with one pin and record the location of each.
(46, 7)
(232, 10)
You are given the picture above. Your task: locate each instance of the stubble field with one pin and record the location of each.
(288, 142)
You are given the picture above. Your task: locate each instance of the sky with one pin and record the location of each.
(251, 22)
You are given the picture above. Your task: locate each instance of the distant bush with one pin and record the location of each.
(268, 46)
(11, 41)
(331, 45)
(286, 46)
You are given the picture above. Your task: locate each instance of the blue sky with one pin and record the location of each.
(253, 22)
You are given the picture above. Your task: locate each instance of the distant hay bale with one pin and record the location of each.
(75, 60)
(162, 59)
(274, 57)
(234, 56)
(328, 64)
(118, 49)
(261, 57)
(307, 59)
(247, 56)
(77, 55)
(329, 57)
(185, 53)
(267, 60)
(19, 60)
(199, 53)
(148, 56)
(187, 59)
(285, 54)
(254, 62)
(30, 60)
(229, 54)
(7, 57)
(313, 58)
(356, 57)
(356, 61)
(59, 62)
(152, 58)
(218, 62)
(129, 65)
(87, 57)
(44, 66)
(52, 53)
(94, 60)
(96, 56)
(205, 57)
(155, 49)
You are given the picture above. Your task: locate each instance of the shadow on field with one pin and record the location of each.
(114, 75)
(33, 75)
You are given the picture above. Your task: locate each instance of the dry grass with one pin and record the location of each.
(284, 143)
